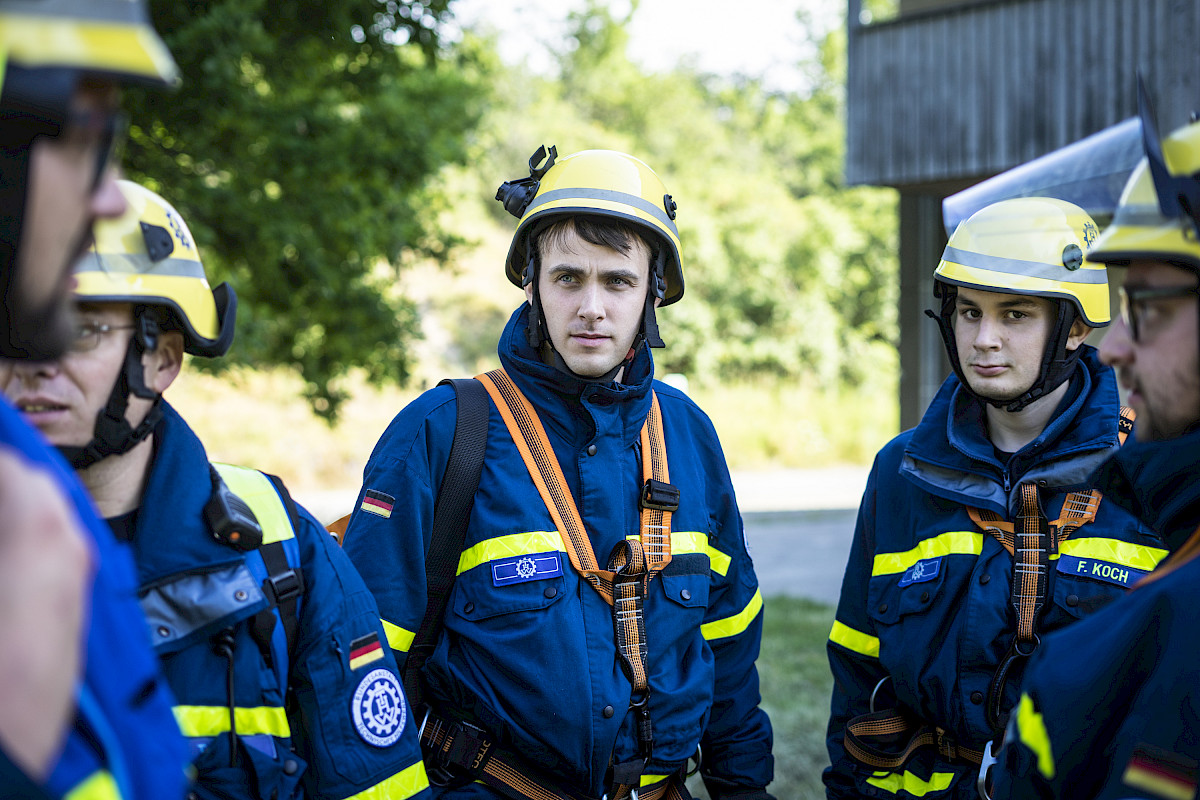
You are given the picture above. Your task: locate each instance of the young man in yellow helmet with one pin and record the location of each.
(270, 642)
(602, 618)
(1109, 708)
(84, 710)
(978, 531)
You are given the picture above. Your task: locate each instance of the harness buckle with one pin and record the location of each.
(284, 586)
(463, 761)
(660, 496)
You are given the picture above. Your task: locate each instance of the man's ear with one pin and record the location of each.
(1079, 332)
(529, 292)
(163, 364)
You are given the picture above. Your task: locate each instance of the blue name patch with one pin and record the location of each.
(924, 570)
(520, 569)
(1099, 570)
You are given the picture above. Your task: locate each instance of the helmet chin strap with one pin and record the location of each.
(1057, 366)
(113, 435)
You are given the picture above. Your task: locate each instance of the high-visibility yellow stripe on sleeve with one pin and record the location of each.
(100, 785)
(400, 786)
(896, 782)
(857, 641)
(514, 544)
(952, 543)
(399, 639)
(1114, 551)
(214, 720)
(732, 626)
(1031, 730)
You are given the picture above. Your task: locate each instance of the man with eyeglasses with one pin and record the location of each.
(1111, 707)
(84, 710)
(270, 641)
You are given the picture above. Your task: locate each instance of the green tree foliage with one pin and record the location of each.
(789, 273)
(303, 149)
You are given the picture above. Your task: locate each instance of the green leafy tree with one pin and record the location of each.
(304, 150)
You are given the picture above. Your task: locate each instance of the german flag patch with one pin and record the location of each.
(365, 650)
(1162, 774)
(378, 503)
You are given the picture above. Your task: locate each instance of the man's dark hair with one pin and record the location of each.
(601, 231)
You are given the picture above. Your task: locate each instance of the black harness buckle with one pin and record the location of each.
(660, 496)
(284, 586)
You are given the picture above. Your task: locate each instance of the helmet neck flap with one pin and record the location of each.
(1057, 364)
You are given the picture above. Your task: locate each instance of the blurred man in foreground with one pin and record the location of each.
(83, 706)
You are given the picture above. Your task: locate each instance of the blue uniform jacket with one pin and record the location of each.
(534, 660)
(1111, 707)
(194, 587)
(125, 743)
(926, 596)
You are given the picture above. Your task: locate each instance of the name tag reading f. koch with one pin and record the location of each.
(1099, 570)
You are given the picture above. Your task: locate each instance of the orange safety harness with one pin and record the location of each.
(623, 584)
(887, 739)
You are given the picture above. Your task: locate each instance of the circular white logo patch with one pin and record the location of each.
(378, 708)
(526, 568)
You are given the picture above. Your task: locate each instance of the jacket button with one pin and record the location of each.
(591, 451)
(984, 580)
(164, 631)
(977, 698)
(290, 766)
(883, 608)
(685, 594)
(1043, 483)
(468, 608)
(550, 591)
(1072, 600)
(240, 595)
(608, 712)
(924, 597)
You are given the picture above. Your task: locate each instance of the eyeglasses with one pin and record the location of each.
(1140, 305)
(87, 335)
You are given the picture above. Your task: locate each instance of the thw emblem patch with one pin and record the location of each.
(378, 708)
(520, 569)
(924, 570)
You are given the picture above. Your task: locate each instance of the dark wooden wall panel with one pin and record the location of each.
(968, 91)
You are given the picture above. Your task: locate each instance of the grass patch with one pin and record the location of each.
(796, 686)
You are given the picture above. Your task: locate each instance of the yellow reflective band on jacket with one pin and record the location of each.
(1114, 551)
(400, 786)
(946, 544)
(854, 640)
(97, 786)
(683, 542)
(259, 493)
(896, 782)
(1031, 729)
(398, 638)
(514, 544)
(732, 626)
(650, 780)
(214, 720)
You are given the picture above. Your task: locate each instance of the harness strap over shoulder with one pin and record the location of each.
(887, 739)
(632, 564)
(276, 512)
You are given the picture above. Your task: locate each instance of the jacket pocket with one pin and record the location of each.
(888, 601)
(527, 583)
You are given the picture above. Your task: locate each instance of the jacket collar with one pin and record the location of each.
(951, 455)
(172, 535)
(563, 401)
(1158, 482)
